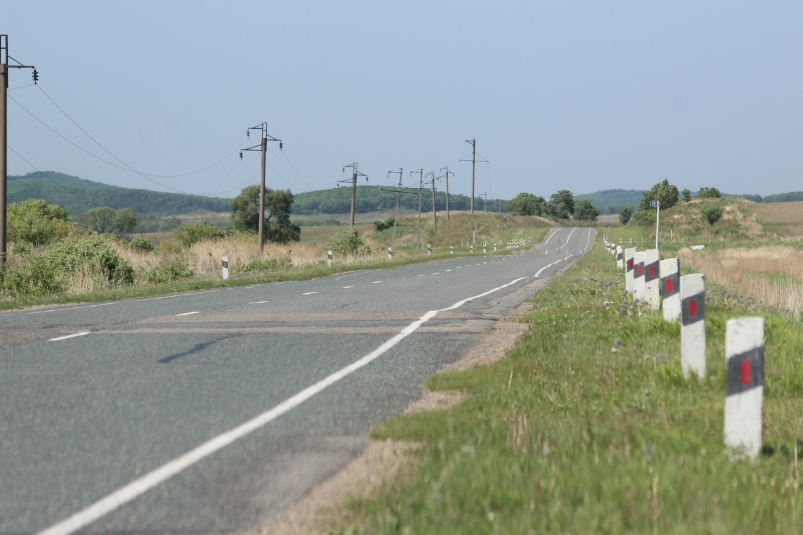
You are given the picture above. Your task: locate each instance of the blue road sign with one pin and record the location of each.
(653, 204)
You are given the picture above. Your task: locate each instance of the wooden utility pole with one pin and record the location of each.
(473, 160)
(420, 194)
(4, 67)
(263, 148)
(447, 189)
(353, 181)
(434, 213)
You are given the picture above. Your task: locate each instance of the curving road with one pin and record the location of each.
(211, 412)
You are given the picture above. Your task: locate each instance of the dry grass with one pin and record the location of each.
(785, 218)
(772, 274)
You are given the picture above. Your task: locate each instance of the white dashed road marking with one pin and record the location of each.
(346, 287)
(188, 313)
(309, 293)
(257, 302)
(68, 336)
(376, 282)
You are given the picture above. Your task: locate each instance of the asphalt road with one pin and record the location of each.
(213, 411)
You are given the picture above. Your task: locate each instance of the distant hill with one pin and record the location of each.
(77, 195)
(610, 201)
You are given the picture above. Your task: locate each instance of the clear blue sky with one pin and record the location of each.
(578, 95)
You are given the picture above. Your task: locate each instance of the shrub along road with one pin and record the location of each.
(215, 410)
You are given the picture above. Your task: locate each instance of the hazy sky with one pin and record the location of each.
(578, 95)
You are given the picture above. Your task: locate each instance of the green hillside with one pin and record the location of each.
(380, 199)
(77, 195)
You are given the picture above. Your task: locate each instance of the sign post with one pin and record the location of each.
(657, 205)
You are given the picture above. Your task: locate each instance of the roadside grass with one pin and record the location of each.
(566, 435)
(282, 274)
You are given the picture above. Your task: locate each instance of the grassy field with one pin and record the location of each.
(589, 427)
(783, 218)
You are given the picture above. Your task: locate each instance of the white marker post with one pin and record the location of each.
(451, 249)
(620, 261)
(472, 249)
(630, 264)
(692, 325)
(744, 357)
(494, 247)
(429, 249)
(638, 276)
(328, 258)
(390, 253)
(225, 267)
(652, 289)
(670, 288)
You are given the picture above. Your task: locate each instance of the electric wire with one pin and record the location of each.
(294, 169)
(41, 173)
(226, 178)
(121, 161)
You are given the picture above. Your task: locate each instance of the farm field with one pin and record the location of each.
(783, 218)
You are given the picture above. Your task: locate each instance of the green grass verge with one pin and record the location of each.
(566, 436)
(290, 274)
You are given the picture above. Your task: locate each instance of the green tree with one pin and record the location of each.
(278, 227)
(686, 195)
(526, 204)
(664, 192)
(100, 219)
(585, 211)
(384, 225)
(36, 222)
(348, 241)
(562, 204)
(711, 212)
(624, 215)
(708, 193)
(125, 220)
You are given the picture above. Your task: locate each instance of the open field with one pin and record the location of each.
(784, 218)
(589, 427)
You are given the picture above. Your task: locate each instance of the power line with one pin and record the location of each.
(226, 178)
(122, 162)
(294, 169)
(40, 172)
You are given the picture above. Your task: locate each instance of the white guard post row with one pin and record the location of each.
(630, 265)
(225, 267)
(638, 276)
(651, 279)
(670, 288)
(744, 355)
(692, 325)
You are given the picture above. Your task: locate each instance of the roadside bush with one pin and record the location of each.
(77, 262)
(348, 241)
(711, 212)
(36, 222)
(190, 234)
(140, 244)
(170, 271)
(384, 225)
(257, 264)
(624, 215)
(169, 247)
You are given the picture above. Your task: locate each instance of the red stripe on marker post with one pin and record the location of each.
(669, 271)
(692, 325)
(629, 254)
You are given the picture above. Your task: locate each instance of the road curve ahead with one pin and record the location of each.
(213, 411)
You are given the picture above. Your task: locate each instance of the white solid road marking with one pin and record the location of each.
(187, 313)
(346, 287)
(436, 273)
(150, 480)
(309, 293)
(68, 336)
(257, 302)
(552, 264)
(119, 302)
(376, 282)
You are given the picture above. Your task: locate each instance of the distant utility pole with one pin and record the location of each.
(396, 215)
(353, 181)
(473, 160)
(420, 193)
(485, 201)
(447, 189)
(434, 213)
(4, 67)
(263, 147)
